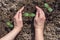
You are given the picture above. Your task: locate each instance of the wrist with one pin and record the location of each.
(39, 34)
(18, 28)
(39, 29)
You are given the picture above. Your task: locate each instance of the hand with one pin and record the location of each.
(18, 23)
(39, 18)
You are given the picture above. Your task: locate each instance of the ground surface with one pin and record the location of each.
(8, 9)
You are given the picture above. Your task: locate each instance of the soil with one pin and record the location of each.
(8, 9)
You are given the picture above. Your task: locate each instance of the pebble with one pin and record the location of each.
(0, 4)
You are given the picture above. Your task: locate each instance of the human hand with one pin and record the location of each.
(39, 19)
(18, 23)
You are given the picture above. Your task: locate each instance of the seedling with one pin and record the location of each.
(48, 7)
(32, 15)
(28, 14)
(9, 24)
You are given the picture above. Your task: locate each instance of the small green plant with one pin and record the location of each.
(28, 14)
(9, 24)
(48, 7)
(32, 15)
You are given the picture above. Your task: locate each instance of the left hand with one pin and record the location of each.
(18, 23)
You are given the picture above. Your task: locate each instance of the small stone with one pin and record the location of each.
(0, 4)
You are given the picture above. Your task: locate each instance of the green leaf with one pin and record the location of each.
(9, 24)
(50, 9)
(32, 15)
(46, 5)
(26, 14)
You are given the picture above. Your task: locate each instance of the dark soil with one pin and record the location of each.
(8, 9)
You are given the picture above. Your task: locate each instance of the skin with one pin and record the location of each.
(18, 25)
(39, 24)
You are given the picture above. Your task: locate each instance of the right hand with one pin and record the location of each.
(39, 19)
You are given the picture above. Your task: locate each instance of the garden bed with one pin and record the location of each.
(8, 9)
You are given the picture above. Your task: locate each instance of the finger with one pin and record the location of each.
(36, 14)
(37, 8)
(20, 13)
(20, 16)
(42, 14)
(16, 15)
(40, 11)
(20, 10)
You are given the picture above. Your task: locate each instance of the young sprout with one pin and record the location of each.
(48, 7)
(32, 15)
(9, 24)
(28, 14)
